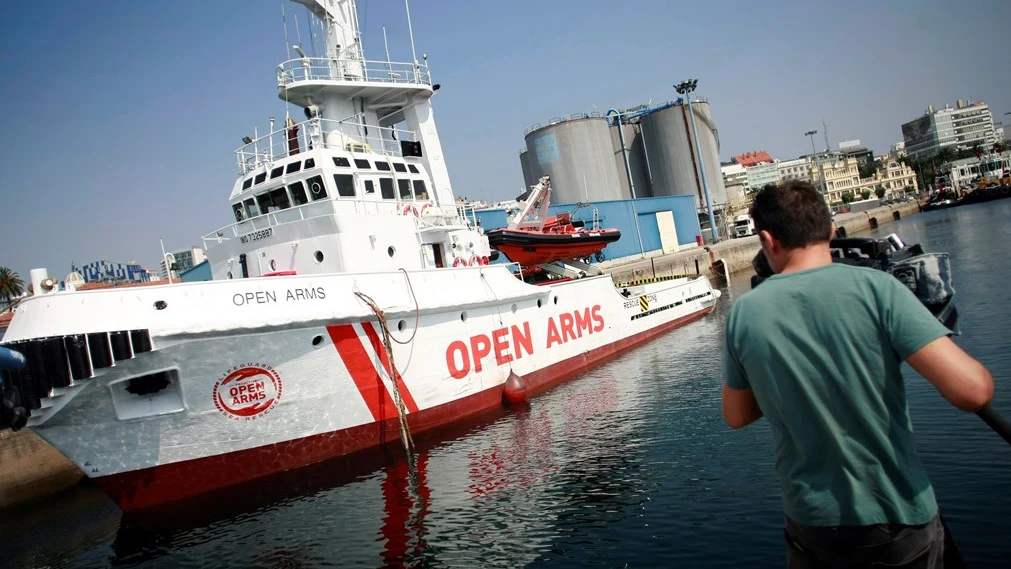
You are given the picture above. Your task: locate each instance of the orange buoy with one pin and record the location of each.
(515, 390)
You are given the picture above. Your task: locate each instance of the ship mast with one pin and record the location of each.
(355, 104)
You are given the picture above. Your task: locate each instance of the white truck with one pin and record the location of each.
(743, 226)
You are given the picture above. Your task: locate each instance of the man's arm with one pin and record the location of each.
(740, 408)
(957, 376)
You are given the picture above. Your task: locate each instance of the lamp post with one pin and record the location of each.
(628, 172)
(814, 156)
(685, 88)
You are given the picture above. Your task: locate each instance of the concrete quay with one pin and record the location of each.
(736, 254)
(31, 469)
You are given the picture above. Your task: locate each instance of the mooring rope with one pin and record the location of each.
(405, 432)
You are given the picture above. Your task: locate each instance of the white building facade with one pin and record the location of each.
(964, 126)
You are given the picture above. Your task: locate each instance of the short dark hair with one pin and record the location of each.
(794, 212)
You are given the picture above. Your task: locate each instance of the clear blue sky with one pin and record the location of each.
(122, 117)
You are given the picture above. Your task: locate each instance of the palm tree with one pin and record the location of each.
(11, 285)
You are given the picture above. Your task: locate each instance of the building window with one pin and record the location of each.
(386, 189)
(297, 190)
(345, 185)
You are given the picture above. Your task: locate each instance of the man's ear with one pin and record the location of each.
(767, 241)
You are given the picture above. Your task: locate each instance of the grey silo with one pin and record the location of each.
(578, 156)
(670, 149)
(637, 163)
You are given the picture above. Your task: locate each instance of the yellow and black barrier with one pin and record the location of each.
(653, 280)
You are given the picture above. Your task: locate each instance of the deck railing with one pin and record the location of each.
(328, 69)
(348, 134)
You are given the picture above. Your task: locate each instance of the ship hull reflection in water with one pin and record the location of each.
(500, 497)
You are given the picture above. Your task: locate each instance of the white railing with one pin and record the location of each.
(348, 134)
(434, 216)
(295, 71)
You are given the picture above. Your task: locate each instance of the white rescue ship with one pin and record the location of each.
(352, 302)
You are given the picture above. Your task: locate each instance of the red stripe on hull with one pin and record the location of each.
(364, 374)
(157, 485)
(377, 345)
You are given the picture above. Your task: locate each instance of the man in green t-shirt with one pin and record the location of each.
(817, 350)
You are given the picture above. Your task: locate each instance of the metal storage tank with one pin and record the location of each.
(577, 154)
(530, 176)
(670, 149)
(637, 162)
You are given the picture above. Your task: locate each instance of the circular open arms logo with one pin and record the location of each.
(247, 391)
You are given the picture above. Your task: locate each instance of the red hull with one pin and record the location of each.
(142, 489)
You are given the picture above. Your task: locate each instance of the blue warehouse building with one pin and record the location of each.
(621, 214)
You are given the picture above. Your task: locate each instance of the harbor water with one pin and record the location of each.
(630, 465)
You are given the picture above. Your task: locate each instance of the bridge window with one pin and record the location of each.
(341, 161)
(386, 189)
(345, 185)
(399, 167)
(297, 190)
(316, 187)
(294, 167)
(363, 164)
(273, 200)
(248, 183)
(276, 172)
(413, 168)
(384, 166)
(237, 209)
(260, 177)
(310, 163)
(370, 188)
(420, 192)
(405, 189)
(251, 209)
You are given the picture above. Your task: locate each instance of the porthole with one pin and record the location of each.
(514, 308)
(401, 325)
(463, 316)
(273, 265)
(556, 300)
(391, 251)
(539, 303)
(229, 275)
(318, 255)
(317, 340)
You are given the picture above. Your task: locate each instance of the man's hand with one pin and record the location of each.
(740, 408)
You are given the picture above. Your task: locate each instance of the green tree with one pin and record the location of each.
(879, 191)
(945, 154)
(848, 197)
(865, 194)
(11, 285)
(868, 169)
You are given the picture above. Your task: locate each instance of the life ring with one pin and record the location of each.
(485, 261)
(473, 261)
(409, 209)
(316, 188)
(459, 261)
(423, 209)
